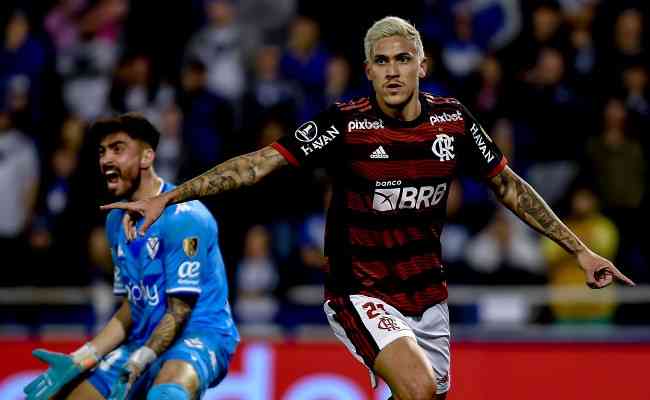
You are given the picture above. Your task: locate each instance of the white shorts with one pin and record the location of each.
(366, 325)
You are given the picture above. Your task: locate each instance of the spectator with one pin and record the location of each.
(256, 280)
(305, 61)
(485, 90)
(207, 120)
(545, 30)
(101, 265)
(637, 93)
(135, 89)
(19, 175)
(62, 23)
(86, 65)
(52, 236)
(619, 169)
(170, 147)
(23, 62)
(506, 252)
(338, 77)
(582, 55)
(626, 45)
(601, 235)
(222, 47)
(554, 145)
(617, 163)
(269, 94)
(73, 133)
(462, 55)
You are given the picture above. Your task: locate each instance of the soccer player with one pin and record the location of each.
(174, 327)
(392, 158)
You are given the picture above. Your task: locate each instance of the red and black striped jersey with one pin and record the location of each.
(391, 180)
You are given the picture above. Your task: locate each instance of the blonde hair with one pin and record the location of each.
(392, 26)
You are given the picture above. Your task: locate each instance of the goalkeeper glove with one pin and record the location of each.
(62, 369)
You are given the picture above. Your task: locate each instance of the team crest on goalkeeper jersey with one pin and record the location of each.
(191, 246)
(379, 153)
(153, 244)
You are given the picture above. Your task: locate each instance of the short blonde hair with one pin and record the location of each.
(392, 26)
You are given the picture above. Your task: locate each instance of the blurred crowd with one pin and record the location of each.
(561, 86)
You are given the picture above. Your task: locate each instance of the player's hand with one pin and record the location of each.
(600, 272)
(149, 209)
(122, 386)
(62, 369)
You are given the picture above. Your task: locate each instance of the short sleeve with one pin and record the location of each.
(185, 251)
(112, 224)
(482, 159)
(315, 142)
(118, 284)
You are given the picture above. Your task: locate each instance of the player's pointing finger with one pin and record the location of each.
(119, 205)
(146, 224)
(619, 275)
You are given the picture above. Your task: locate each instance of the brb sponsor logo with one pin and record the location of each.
(445, 117)
(308, 133)
(142, 292)
(356, 125)
(389, 196)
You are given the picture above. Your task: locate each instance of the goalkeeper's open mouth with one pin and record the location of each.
(112, 176)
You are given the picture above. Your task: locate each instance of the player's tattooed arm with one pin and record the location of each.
(178, 312)
(243, 170)
(525, 202)
(240, 171)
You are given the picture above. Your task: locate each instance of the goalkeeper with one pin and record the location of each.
(173, 335)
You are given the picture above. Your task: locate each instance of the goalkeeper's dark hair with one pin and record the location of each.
(133, 124)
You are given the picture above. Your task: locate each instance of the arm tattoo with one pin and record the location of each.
(178, 312)
(526, 203)
(243, 170)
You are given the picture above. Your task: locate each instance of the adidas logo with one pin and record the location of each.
(379, 153)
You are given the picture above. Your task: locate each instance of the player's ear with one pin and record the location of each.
(422, 69)
(147, 158)
(368, 71)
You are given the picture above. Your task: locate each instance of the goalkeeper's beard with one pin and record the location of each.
(131, 187)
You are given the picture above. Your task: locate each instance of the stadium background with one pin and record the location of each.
(561, 86)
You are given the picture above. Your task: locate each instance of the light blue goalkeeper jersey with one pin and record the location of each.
(179, 255)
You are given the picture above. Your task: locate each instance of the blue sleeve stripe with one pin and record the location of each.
(184, 289)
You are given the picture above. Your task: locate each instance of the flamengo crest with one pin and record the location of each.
(443, 147)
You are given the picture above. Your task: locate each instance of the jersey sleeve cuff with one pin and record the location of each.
(286, 154)
(498, 168)
(192, 290)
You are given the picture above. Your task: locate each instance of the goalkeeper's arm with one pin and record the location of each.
(114, 333)
(64, 368)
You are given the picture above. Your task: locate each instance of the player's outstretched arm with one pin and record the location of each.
(527, 204)
(244, 170)
(115, 331)
(172, 322)
(64, 368)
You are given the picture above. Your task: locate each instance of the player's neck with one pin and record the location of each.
(408, 112)
(150, 185)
